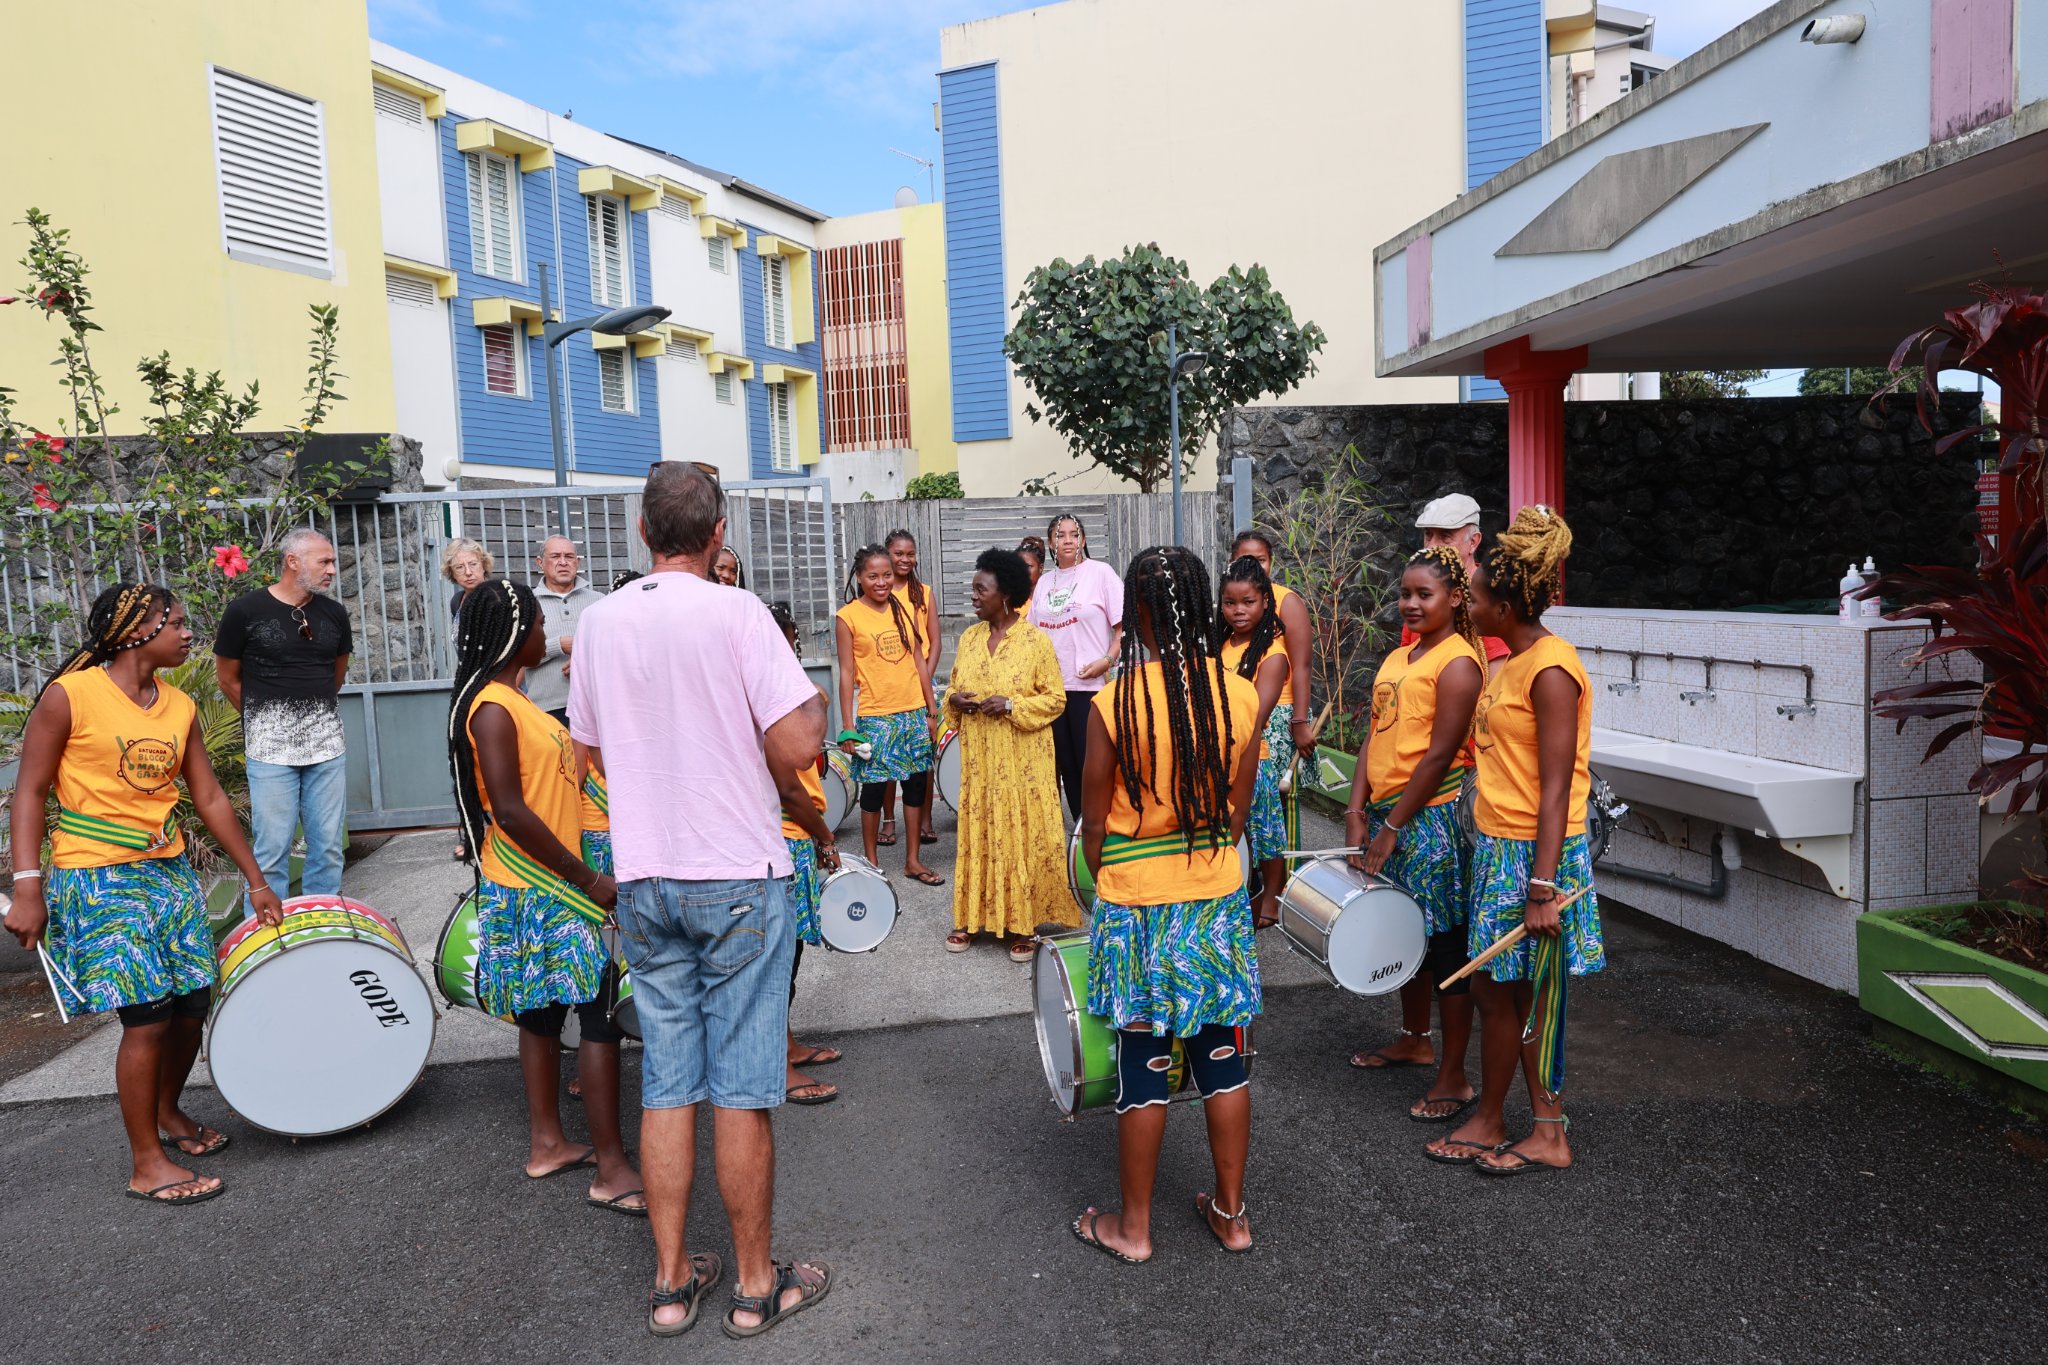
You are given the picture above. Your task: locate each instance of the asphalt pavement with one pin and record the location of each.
(1756, 1181)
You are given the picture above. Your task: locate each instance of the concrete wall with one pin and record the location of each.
(128, 168)
(1191, 123)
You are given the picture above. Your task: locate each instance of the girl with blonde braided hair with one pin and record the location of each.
(1403, 810)
(123, 920)
(1533, 731)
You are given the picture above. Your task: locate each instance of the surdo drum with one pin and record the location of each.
(857, 908)
(946, 770)
(1365, 933)
(321, 1024)
(841, 794)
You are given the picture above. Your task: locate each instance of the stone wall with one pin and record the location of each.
(1725, 504)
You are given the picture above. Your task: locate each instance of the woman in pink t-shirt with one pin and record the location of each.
(1079, 603)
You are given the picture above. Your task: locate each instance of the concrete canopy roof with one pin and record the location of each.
(1852, 214)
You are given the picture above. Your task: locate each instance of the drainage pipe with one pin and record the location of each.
(1714, 889)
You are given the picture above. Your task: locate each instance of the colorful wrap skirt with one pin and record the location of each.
(902, 745)
(533, 950)
(1430, 861)
(1176, 967)
(806, 885)
(128, 933)
(1279, 741)
(597, 850)
(1500, 885)
(1266, 826)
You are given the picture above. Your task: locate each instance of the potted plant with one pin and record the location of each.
(1973, 978)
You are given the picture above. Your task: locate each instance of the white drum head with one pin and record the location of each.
(839, 795)
(949, 771)
(1052, 1010)
(321, 1038)
(1376, 945)
(858, 907)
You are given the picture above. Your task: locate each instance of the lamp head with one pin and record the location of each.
(624, 321)
(1189, 363)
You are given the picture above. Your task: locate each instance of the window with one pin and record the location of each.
(270, 155)
(493, 215)
(414, 291)
(775, 300)
(504, 361)
(721, 386)
(867, 396)
(610, 284)
(714, 250)
(677, 207)
(781, 430)
(397, 105)
(615, 380)
(684, 350)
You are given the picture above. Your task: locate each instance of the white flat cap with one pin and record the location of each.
(1451, 512)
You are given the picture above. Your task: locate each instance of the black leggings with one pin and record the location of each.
(1445, 954)
(796, 961)
(1070, 746)
(916, 792)
(190, 1005)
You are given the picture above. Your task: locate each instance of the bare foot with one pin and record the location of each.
(1234, 1233)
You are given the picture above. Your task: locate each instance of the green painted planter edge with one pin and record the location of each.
(1331, 801)
(1885, 944)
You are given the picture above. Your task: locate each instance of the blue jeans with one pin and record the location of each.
(284, 797)
(711, 966)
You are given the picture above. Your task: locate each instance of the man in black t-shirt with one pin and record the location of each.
(281, 653)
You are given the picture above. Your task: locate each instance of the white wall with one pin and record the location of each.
(423, 387)
(694, 424)
(409, 189)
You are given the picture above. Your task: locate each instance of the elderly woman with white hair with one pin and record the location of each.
(465, 563)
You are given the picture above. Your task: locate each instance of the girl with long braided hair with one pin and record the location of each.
(1404, 810)
(921, 606)
(1172, 761)
(897, 717)
(1533, 729)
(1032, 550)
(1297, 633)
(1248, 631)
(519, 787)
(122, 917)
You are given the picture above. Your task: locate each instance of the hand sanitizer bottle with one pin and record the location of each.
(1872, 606)
(1850, 611)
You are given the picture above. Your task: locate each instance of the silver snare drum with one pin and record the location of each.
(1365, 933)
(857, 908)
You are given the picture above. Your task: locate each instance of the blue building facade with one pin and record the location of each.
(553, 227)
(976, 297)
(1507, 63)
(808, 356)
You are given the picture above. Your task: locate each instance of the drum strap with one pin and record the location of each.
(114, 832)
(521, 864)
(1122, 848)
(1454, 780)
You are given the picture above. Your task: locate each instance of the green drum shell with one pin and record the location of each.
(456, 974)
(1069, 1036)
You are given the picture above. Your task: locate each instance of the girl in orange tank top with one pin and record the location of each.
(122, 920)
(1533, 733)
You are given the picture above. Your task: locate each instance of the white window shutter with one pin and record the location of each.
(608, 228)
(270, 153)
(396, 104)
(414, 291)
(721, 386)
(492, 215)
(714, 251)
(676, 207)
(781, 436)
(501, 360)
(685, 351)
(613, 387)
(775, 300)
(479, 220)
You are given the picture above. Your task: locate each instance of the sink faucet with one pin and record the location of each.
(1632, 686)
(1691, 698)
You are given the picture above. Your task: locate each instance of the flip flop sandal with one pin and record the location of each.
(820, 1056)
(928, 879)
(706, 1271)
(886, 838)
(768, 1305)
(927, 837)
(587, 1160)
(1524, 1165)
(1385, 1063)
(1203, 1204)
(1087, 1239)
(831, 1094)
(208, 1145)
(1477, 1148)
(1022, 952)
(157, 1196)
(1454, 1115)
(618, 1204)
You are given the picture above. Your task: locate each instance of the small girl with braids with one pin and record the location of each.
(1171, 761)
(1404, 810)
(897, 717)
(123, 918)
(519, 787)
(1254, 647)
(1534, 734)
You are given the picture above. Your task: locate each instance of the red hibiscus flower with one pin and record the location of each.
(41, 493)
(230, 560)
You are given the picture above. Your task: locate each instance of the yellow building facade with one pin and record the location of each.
(223, 183)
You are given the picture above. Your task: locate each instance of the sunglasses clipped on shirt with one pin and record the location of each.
(305, 626)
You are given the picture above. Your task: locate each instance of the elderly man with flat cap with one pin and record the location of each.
(1453, 520)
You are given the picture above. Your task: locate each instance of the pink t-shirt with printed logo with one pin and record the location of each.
(1080, 609)
(676, 679)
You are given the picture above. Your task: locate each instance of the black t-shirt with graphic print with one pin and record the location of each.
(291, 711)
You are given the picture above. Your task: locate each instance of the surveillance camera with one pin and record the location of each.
(1836, 28)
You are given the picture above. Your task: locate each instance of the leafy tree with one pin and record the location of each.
(1862, 379)
(1710, 383)
(1090, 341)
(945, 485)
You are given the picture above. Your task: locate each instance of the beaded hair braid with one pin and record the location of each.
(915, 588)
(496, 616)
(1450, 570)
(1172, 587)
(117, 613)
(1526, 564)
(1245, 569)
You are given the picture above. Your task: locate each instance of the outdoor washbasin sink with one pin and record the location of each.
(1780, 800)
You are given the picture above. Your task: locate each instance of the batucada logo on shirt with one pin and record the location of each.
(148, 765)
(889, 645)
(1386, 706)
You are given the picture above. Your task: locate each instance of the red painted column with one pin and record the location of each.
(1535, 383)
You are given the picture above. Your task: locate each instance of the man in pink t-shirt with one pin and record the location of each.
(699, 716)
(1079, 603)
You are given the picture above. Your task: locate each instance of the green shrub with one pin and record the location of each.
(926, 486)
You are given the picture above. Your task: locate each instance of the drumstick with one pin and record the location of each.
(1320, 852)
(51, 974)
(1502, 944)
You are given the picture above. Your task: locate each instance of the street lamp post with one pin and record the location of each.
(617, 322)
(1176, 366)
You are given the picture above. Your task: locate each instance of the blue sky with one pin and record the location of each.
(803, 97)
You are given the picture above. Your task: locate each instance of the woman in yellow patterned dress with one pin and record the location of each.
(1011, 874)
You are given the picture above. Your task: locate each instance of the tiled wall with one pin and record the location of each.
(1915, 837)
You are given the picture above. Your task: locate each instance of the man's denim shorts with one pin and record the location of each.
(711, 964)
